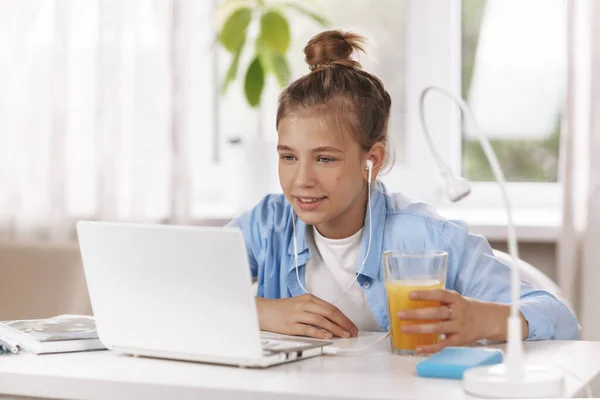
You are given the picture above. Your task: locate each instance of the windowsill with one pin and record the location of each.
(533, 226)
(539, 226)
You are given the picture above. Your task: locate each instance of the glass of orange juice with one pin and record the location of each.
(405, 272)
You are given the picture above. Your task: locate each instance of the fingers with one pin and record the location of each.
(310, 331)
(441, 295)
(447, 327)
(432, 313)
(453, 340)
(332, 313)
(454, 318)
(314, 319)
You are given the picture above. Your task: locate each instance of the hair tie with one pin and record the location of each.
(315, 67)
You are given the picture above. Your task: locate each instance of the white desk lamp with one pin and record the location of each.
(513, 378)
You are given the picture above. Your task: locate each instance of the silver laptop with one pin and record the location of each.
(179, 292)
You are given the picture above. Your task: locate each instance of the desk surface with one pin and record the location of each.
(375, 375)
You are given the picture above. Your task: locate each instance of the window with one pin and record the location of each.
(441, 44)
(417, 43)
(513, 77)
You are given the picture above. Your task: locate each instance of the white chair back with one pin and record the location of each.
(534, 276)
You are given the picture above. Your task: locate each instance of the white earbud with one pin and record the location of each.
(370, 169)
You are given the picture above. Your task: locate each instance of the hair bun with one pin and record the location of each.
(333, 47)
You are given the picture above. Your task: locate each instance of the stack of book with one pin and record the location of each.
(61, 334)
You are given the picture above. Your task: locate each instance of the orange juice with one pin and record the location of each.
(397, 293)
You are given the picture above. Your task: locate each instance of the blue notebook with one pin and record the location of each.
(452, 362)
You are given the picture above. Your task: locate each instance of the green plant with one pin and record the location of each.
(270, 46)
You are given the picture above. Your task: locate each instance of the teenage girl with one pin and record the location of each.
(331, 124)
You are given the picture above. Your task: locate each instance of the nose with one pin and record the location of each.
(305, 176)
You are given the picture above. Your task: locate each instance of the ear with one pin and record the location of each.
(377, 156)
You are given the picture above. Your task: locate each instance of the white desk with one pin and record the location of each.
(376, 375)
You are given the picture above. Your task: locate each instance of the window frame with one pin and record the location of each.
(433, 45)
(434, 58)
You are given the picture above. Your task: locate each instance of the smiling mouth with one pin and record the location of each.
(308, 204)
(309, 200)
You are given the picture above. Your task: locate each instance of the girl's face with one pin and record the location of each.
(322, 175)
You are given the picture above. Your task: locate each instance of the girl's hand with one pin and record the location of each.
(463, 320)
(304, 315)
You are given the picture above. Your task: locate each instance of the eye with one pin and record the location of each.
(288, 157)
(326, 160)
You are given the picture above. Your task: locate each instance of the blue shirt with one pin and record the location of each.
(398, 224)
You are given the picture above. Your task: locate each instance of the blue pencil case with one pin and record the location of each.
(452, 362)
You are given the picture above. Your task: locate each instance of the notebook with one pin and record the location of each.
(64, 333)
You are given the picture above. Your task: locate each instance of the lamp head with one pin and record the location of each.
(457, 188)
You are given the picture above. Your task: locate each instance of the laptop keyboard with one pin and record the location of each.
(278, 345)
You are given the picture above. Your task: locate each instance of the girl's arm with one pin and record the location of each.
(474, 272)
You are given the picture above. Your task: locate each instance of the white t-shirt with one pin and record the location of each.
(331, 269)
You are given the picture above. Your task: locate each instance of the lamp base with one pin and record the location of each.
(538, 381)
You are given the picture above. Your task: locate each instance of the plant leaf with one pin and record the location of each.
(275, 31)
(266, 57)
(273, 63)
(232, 71)
(281, 69)
(321, 20)
(233, 32)
(254, 82)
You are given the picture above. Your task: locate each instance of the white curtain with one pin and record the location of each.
(590, 301)
(106, 112)
(578, 248)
